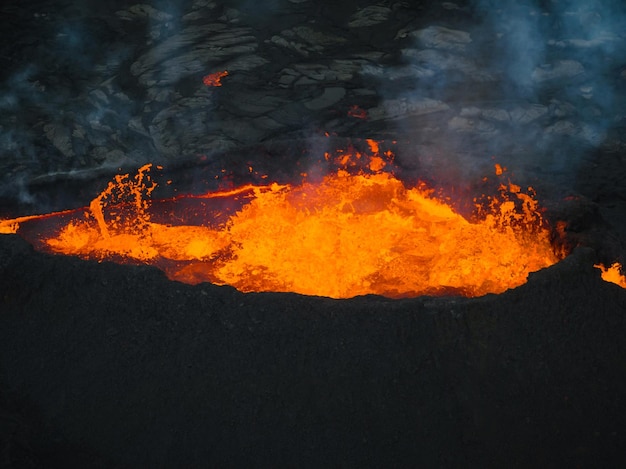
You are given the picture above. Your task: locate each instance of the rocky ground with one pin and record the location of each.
(96, 87)
(104, 365)
(115, 366)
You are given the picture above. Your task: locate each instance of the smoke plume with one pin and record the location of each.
(532, 83)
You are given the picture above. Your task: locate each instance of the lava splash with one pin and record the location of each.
(351, 233)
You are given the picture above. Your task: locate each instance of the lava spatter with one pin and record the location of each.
(355, 232)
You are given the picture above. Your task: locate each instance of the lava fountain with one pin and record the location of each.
(357, 231)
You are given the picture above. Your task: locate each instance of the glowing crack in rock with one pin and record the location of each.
(214, 79)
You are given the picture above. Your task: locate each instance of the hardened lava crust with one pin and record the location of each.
(107, 365)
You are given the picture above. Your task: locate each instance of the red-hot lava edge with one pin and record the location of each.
(359, 230)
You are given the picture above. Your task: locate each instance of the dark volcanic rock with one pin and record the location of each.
(452, 77)
(116, 364)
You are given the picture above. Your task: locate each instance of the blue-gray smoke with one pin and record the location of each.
(538, 84)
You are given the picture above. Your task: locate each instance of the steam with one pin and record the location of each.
(62, 108)
(534, 84)
(571, 47)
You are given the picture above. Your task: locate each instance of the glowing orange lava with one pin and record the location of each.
(357, 112)
(613, 274)
(352, 233)
(214, 79)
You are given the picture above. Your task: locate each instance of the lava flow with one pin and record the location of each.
(613, 274)
(352, 233)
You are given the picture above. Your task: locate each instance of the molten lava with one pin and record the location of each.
(613, 274)
(352, 233)
(357, 112)
(214, 79)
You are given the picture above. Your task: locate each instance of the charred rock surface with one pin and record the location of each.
(103, 365)
(97, 87)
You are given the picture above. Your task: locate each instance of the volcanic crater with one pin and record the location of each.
(481, 105)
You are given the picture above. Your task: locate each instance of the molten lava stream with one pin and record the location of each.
(347, 235)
